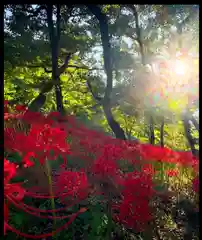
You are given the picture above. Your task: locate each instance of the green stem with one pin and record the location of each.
(49, 175)
(162, 173)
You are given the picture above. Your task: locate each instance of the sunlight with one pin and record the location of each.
(180, 67)
(172, 78)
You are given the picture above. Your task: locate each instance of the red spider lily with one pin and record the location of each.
(134, 209)
(138, 183)
(14, 193)
(20, 108)
(148, 169)
(6, 102)
(172, 173)
(133, 213)
(26, 159)
(44, 141)
(187, 159)
(99, 154)
(75, 184)
(12, 190)
(103, 168)
(9, 139)
(9, 170)
(156, 153)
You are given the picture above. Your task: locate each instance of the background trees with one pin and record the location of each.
(113, 66)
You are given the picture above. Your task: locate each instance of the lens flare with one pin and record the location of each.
(180, 67)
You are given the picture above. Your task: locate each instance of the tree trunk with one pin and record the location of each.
(54, 41)
(118, 131)
(106, 102)
(162, 133)
(151, 127)
(187, 129)
(195, 123)
(37, 103)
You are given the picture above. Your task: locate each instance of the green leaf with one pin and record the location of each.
(18, 219)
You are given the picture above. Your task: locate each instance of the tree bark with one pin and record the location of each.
(54, 42)
(151, 127)
(106, 101)
(162, 133)
(187, 129)
(138, 32)
(143, 60)
(195, 123)
(114, 125)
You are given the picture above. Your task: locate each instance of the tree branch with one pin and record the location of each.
(97, 98)
(64, 66)
(106, 48)
(34, 13)
(138, 32)
(67, 66)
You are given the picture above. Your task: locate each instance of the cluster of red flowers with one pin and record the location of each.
(50, 136)
(134, 208)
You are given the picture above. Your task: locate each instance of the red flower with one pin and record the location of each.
(9, 171)
(134, 210)
(26, 159)
(20, 108)
(186, 158)
(172, 173)
(156, 153)
(103, 168)
(47, 139)
(11, 190)
(138, 184)
(148, 169)
(6, 102)
(134, 213)
(72, 184)
(5, 106)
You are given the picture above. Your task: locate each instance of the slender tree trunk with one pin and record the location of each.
(143, 61)
(40, 100)
(118, 131)
(162, 133)
(195, 123)
(37, 103)
(187, 129)
(106, 102)
(54, 41)
(151, 127)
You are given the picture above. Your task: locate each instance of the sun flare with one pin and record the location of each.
(180, 67)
